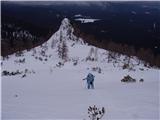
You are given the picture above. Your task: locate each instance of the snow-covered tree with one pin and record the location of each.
(95, 113)
(62, 49)
(93, 54)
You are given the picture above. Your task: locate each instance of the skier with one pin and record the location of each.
(90, 81)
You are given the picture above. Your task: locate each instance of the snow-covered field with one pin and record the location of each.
(51, 91)
(63, 94)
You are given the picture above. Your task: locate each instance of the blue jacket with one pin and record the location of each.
(90, 78)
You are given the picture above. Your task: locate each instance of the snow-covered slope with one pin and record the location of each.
(39, 84)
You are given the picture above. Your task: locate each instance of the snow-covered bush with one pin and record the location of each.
(42, 53)
(45, 59)
(7, 73)
(97, 69)
(40, 59)
(75, 61)
(60, 64)
(19, 54)
(128, 79)
(95, 113)
(62, 48)
(125, 66)
(141, 80)
(93, 55)
(26, 70)
(23, 75)
(20, 61)
(5, 58)
(17, 72)
(130, 67)
(142, 69)
(89, 58)
(63, 51)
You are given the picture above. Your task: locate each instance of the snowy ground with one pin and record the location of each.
(60, 93)
(63, 94)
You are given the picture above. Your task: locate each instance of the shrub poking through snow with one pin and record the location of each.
(23, 75)
(60, 64)
(19, 54)
(141, 80)
(141, 69)
(128, 79)
(75, 61)
(17, 72)
(95, 113)
(97, 69)
(40, 59)
(20, 61)
(93, 55)
(125, 66)
(7, 73)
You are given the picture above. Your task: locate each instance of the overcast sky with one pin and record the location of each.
(81, 0)
(59, 2)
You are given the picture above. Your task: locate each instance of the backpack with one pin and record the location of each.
(90, 77)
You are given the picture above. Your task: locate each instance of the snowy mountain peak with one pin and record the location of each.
(66, 29)
(65, 22)
(65, 33)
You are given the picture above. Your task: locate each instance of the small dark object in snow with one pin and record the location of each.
(75, 63)
(45, 59)
(26, 70)
(60, 64)
(128, 79)
(16, 95)
(33, 72)
(5, 73)
(125, 66)
(141, 69)
(23, 75)
(40, 59)
(141, 80)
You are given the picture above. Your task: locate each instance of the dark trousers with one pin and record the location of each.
(90, 85)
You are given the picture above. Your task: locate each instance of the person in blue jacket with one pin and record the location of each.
(90, 81)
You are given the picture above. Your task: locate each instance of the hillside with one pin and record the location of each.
(46, 82)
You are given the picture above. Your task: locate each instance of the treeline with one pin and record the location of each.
(18, 34)
(17, 37)
(144, 54)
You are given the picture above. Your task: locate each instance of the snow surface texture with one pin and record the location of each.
(45, 89)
